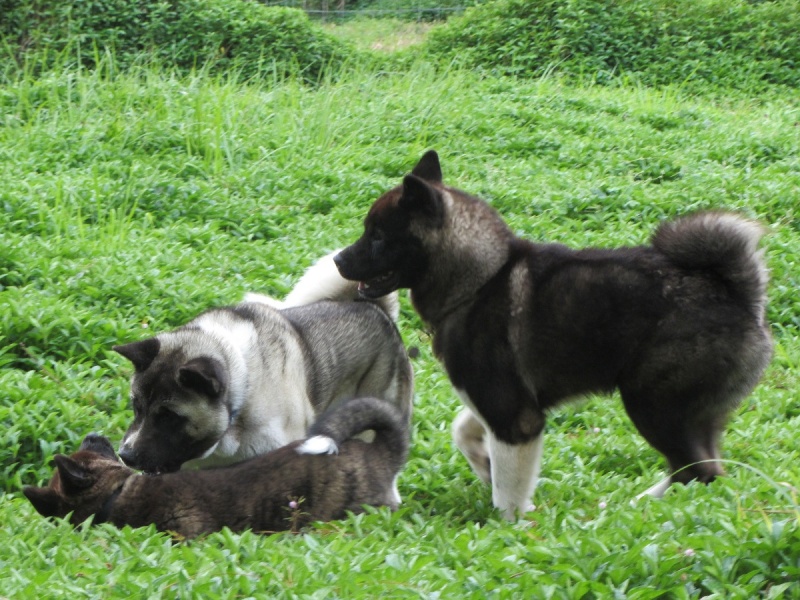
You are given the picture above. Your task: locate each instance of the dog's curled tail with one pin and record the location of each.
(721, 242)
(346, 420)
(322, 281)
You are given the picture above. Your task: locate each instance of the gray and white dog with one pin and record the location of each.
(677, 326)
(242, 380)
(317, 479)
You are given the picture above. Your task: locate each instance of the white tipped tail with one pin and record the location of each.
(318, 444)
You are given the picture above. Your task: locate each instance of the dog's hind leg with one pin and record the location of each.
(515, 473)
(698, 459)
(695, 458)
(686, 434)
(469, 435)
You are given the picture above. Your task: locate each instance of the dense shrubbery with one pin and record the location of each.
(745, 44)
(253, 38)
(728, 42)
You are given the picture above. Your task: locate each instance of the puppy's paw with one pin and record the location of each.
(517, 514)
(656, 491)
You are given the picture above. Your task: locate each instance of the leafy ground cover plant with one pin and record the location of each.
(132, 201)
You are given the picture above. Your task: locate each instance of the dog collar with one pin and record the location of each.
(102, 515)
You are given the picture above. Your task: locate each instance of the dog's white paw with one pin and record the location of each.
(393, 501)
(656, 491)
(319, 444)
(517, 513)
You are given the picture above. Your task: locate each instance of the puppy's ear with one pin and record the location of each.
(428, 167)
(203, 375)
(141, 354)
(99, 444)
(420, 197)
(45, 500)
(74, 476)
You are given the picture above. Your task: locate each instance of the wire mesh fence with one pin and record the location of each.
(409, 10)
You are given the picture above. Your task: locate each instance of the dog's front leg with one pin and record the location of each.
(511, 468)
(515, 472)
(469, 435)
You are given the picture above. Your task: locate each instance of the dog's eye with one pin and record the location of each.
(170, 416)
(377, 242)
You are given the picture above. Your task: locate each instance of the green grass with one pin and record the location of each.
(131, 202)
(383, 35)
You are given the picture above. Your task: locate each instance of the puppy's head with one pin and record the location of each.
(392, 254)
(82, 483)
(178, 395)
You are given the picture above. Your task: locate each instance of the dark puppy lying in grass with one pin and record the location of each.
(316, 479)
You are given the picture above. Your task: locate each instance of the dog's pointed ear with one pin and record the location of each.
(45, 500)
(74, 476)
(141, 354)
(202, 374)
(420, 197)
(428, 167)
(99, 444)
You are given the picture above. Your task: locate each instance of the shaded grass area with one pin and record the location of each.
(132, 202)
(382, 35)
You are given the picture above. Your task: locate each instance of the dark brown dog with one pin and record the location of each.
(319, 479)
(677, 326)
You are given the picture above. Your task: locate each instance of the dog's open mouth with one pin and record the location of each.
(157, 469)
(379, 286)
(162, 470)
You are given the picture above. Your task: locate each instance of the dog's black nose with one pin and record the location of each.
(342, 260)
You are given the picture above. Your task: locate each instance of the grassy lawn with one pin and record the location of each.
(384, 35)
(132, 202)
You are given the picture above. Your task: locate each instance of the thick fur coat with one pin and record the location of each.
(242, 380)
(320, 478)
(677, 326)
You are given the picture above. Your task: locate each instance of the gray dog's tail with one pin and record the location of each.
(724, 243)
(322, 281)
(345, 421)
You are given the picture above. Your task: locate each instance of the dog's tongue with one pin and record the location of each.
(361, 286)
